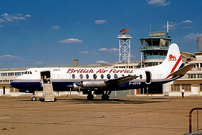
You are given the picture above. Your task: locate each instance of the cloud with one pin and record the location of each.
(27, 15)
(171, 26)
(70, 40)
(188, 27)
(187, 21)
(39, 62)
(100, 21)
(9, 57)
(10, 18)
(55, 27)
(108, 50)
(2, 20)
(84, 52)
(192, 36)
(158, 2)
(102, 62)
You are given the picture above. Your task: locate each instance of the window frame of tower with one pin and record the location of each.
(167, 42)
(155, 42)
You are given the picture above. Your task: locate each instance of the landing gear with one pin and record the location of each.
(42, 99)
(33, 98)
(90, 96)
(106, 95)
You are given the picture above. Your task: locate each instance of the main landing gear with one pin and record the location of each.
(90, 96)
(105, 96)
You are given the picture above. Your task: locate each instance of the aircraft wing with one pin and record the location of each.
(121, 80)
(183, 71)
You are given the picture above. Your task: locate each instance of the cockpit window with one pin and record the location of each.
(28, 72)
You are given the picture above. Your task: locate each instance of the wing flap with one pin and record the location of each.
(121, 80)
(183, 71)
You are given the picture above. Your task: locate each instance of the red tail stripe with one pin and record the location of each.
(176, 64)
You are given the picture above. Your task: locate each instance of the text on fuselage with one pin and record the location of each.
(71, 70)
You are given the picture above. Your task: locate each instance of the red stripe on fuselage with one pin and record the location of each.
(176, 64)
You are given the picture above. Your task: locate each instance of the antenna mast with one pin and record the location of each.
(167, 27)
(199, 43)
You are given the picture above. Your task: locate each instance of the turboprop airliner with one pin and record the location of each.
(103, 80)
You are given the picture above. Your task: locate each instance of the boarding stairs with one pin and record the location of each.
(48, 94)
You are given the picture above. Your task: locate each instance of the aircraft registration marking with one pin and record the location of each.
(134, 83)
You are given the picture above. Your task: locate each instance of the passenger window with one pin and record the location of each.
(140, 76)
(87, 76)
(108, 76)
(102, 76)
(73, 76)
(81, 76)
(94, 76)
(115, 76)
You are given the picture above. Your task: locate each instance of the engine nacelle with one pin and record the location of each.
(93, 84)
(75, 87)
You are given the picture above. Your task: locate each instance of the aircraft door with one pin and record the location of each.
(148, 77)
(46, 77)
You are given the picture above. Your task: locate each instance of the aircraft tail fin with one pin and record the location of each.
(172, 62)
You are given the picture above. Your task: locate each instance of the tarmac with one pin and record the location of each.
(145, 115)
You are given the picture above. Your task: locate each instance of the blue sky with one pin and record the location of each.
(55, 32)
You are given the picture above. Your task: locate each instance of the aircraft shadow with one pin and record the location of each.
(112, 101)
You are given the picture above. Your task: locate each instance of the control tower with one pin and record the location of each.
(124, 46)
(155, 48)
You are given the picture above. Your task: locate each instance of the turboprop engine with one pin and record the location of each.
(93, 84)
(88, 84)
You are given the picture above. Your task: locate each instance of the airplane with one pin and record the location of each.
(103, 80)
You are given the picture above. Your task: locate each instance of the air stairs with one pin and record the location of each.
(48, 95)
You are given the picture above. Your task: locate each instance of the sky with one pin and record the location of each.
(55, 32)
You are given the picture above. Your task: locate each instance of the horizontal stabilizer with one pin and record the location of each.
(121, 80)
(183, 71)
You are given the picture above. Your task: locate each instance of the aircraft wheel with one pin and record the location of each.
(90, 97)
(42, 99)
(55, 99)
(105, 97)
(33, 98)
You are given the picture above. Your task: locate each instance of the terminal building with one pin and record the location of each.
(154, 50)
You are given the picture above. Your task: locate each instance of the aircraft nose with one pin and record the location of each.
(12, 84)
